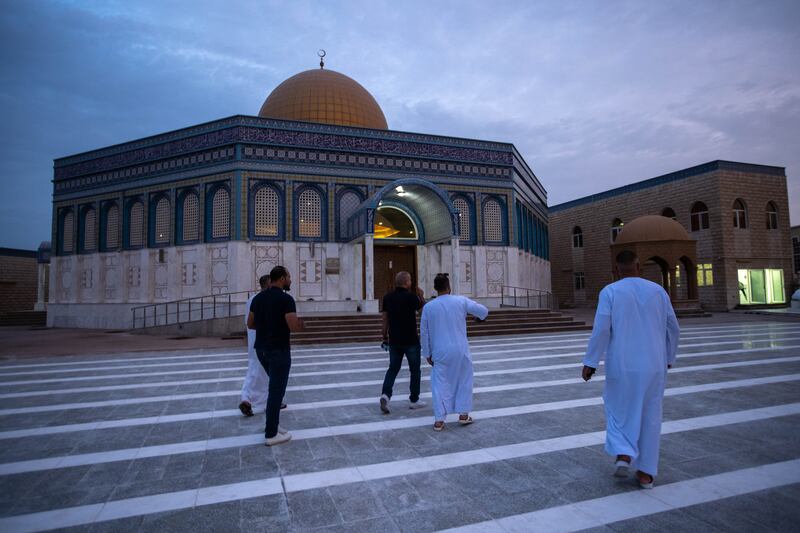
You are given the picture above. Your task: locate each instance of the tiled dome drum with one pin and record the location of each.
(324, 96)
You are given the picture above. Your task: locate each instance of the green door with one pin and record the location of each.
(758, 287)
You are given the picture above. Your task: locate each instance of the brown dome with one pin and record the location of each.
(651, 228)
(325, 96)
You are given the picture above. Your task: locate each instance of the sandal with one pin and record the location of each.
(641, 476)
(438, 425)
(465, 421)
(246, 408)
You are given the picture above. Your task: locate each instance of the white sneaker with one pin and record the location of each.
(282, 430)
(280, 438)
(419, 404)
(384, 404)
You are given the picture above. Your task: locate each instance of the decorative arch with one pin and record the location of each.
(133, 233)
(160, 220)
(218, 212)
(493, 218)
(347, 201)
(266, 218)
(187, 216)
(310, 219)
(66, 231)
(87, 229)
(467, 230)
(109, 226)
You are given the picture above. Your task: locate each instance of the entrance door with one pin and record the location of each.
(389, 260)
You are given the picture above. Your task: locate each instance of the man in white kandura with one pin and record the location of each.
(636, 329)
(256, 381)
(443, 339)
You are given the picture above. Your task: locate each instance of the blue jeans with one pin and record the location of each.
(396, 353)
(276, 363)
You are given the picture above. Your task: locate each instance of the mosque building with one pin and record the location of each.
(316, 182)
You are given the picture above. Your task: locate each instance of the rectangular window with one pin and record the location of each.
(761, 286)
(796, 253)
(705, 275)
(580, 281)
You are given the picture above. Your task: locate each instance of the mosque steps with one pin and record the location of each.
(24, 318)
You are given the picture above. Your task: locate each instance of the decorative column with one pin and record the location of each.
(455, 276)
(369, 267)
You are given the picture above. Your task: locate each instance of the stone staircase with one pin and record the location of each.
(367, 327)
(24, 319)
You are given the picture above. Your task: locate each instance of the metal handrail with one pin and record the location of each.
(525, 297)
(188, 309)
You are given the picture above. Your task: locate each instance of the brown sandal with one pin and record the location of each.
(438, 425)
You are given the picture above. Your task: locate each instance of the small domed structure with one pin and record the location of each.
(324, 96)
(652, 228)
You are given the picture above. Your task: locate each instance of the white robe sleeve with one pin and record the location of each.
(477, 310)
(673, 333)
(424, 334)
(601, 331)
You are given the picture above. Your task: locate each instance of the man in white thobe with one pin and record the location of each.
(636, 330)
(256, 383)
(443, 339)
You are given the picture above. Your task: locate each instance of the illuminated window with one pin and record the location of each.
(739, 215)
(220, 214)
(705, 275)
(616, 229)
(761, 286)
(577, 237)
(309, 211)
(162, 222)
(112, 227)
(393, 223)
(772, 216)
(89, 230)
(464, 219)
(699, 216)
(67, 227)
(492, 221)
(191, 217)
(136, 225)
(266, 212)
(348, 203)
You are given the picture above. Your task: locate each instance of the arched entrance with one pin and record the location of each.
(401, 223)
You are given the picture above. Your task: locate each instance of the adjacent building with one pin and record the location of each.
(316, 182)
(737, 212)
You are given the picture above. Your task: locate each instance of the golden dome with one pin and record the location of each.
(325, 96)
(651, 228)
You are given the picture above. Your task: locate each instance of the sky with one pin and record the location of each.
(594, 94)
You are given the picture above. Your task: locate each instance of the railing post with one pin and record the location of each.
(229, 304)
(214, 303)
(201, 307)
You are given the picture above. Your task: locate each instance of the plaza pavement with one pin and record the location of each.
(154, 442)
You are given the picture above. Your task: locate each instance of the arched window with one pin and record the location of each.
(161, 222)
(699, 216)
(739, 214)
(136, 225)
(772, 215)
(348, 203)
(190, 217)
(577, 237)
(309, 213)
(221, 214)
(67, 229)
(111, 228)
(267, 212)
(616, 228)
(89, 230)
(464, 218)
(668, 212)
(492, 221)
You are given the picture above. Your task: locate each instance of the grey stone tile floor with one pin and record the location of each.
(353, 469)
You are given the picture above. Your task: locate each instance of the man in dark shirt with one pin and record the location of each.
(273, 316)
(400, 331)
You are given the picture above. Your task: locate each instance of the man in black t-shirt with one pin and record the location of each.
(400, 331)
(273, 316)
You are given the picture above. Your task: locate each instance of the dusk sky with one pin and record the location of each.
(594, 95)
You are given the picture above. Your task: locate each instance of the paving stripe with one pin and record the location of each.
(351, 370)
(202, 415)
(771, 326)
(127, 454)
(187, 499)
(293, 388)
(535, 348)
(599, 512)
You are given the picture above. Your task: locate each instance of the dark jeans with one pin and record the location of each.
(396, 353)
(276, 363)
